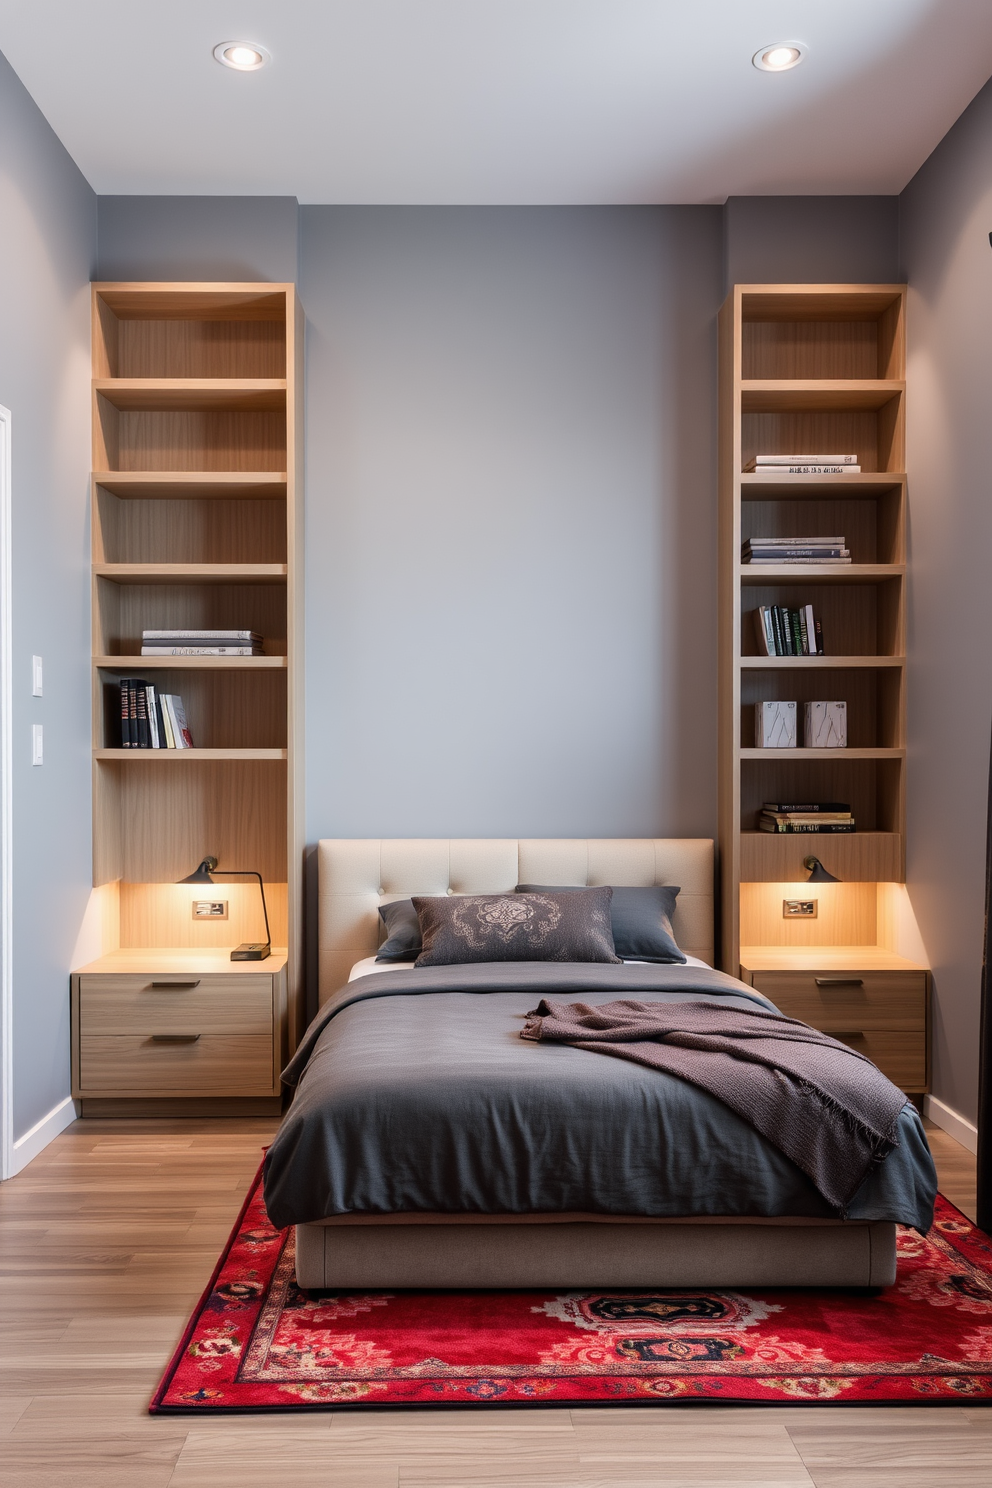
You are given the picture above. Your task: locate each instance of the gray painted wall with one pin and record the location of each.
(46, 253)
(198, 237)
(811, 240)
(946, 216)
(511, 520)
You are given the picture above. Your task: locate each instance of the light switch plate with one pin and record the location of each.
(210, 909)
(37, 745)
(36, 677)
(799, 909)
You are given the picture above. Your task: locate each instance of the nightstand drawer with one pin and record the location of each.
(126, 1004)
(902, 1057)
(861, 1000)
(202, 1064)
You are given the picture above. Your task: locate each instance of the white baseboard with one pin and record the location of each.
(952, 1122)
(26, 1148)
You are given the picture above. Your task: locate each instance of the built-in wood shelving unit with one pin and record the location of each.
(813, 370)
(197, 524)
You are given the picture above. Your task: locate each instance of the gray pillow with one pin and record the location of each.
(402, 941)
(516, 927)
(641, 919)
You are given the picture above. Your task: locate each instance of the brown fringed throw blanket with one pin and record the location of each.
(825, 1106)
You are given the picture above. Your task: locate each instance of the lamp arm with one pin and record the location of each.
(250, 873)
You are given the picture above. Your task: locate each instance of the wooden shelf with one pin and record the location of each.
(868, 486)
(818, 663)
(834, 755)
(854, 857)
(192, 573)
(819, 573)
(204, 394)
(816, 395)
(132, 756)
(127, 664)
(825, 958)
(173, 485)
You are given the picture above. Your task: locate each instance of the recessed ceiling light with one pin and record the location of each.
(243, 56)
(780, 56)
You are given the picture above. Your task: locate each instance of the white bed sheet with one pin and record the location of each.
(370, 964)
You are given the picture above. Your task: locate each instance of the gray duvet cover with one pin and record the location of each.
(415, 1093)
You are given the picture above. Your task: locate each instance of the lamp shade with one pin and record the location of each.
(201, 874)
(817, 872)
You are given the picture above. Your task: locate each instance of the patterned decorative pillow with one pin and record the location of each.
(516, 927)
(641, 920)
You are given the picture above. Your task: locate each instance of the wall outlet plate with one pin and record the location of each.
(210, 909)
(799, 909)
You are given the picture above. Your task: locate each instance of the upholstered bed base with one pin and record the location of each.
(731, 1253)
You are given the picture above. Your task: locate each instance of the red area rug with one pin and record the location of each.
(256, 1342)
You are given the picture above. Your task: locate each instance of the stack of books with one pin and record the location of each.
(201, 643)
(795, 550)
(806, 816)
(804, 465)
(782, 631)
(151, 719)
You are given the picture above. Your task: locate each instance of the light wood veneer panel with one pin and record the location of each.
(188, 530)
(165, 1003)
(855, 857)
(168, 822)
(137, 1066)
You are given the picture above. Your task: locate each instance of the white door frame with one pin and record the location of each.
(6, 800)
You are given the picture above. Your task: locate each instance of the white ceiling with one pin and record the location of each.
(499, 101)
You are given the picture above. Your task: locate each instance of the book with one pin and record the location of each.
(804, 807)
(125, 714)
(179, 714)
(763, 631)
(797, 636)
(234, 637)
(811, 641)
(809, 470)
(151, 702)
(202, 650)
(132, 710)
(808, 816)
(788, 542)
(169, 702)
(778, 555)
(767, 825)
(141, 713)
(804, 460)
(167, 734)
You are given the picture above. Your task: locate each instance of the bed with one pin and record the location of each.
(427, 1145)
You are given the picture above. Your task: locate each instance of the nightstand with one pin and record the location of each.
(178, 1032)
(869, 998)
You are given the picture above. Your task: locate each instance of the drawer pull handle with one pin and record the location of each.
(843, 1033)
(839, 981)
(174, 1038)
(173, 986)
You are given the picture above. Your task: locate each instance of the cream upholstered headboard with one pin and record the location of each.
(358, 874)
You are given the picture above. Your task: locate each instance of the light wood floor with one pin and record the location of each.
(106, 1241)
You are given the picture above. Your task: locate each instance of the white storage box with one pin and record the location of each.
(826, 726)
(775, 725)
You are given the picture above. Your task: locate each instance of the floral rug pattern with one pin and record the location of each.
(256, 1342)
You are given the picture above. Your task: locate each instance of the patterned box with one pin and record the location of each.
(826, 726)
(775, 725)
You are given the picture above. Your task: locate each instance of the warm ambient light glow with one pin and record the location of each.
(779, 57)
(243, 56)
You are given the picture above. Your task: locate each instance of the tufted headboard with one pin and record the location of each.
(358, 874)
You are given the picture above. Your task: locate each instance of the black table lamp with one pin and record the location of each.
(817, 872)
(249, 950)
